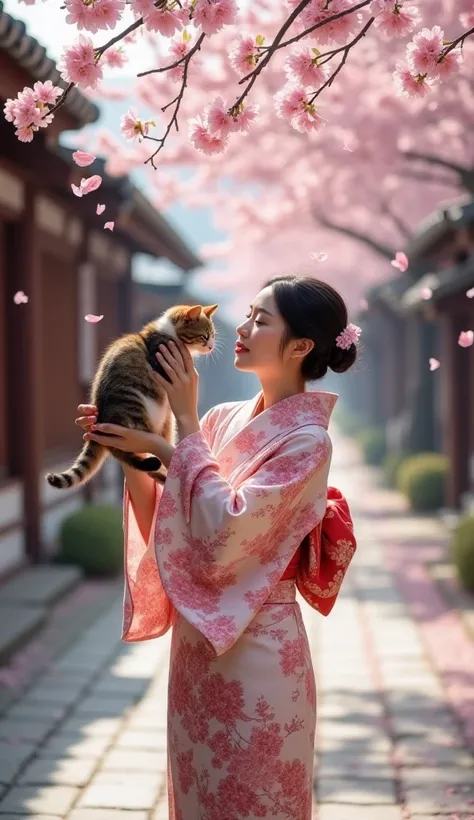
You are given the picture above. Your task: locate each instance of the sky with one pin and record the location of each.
(46, 22)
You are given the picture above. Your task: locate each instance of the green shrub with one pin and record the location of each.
(374, 446)
(92, 538)
(422, 478)
(391, 463)
(462, 551)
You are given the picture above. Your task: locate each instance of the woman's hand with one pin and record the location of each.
(123, 438)
(87, 416)
(182, 389)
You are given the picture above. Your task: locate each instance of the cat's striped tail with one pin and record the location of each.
(85, 466)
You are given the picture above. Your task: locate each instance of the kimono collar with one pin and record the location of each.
(311, 407)
(248, 436)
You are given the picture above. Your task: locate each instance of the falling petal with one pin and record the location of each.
(76, 189)
(92, 318)
(470, 293)
(91, 184)
(319, 257)
(100, 209)
(109, 226)
(20, 298)
(434, 364)
(400, 261)
(82, 158)
(466, 338)
(426, 293)
(363, 304)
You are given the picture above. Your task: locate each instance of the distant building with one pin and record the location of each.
(54, 248)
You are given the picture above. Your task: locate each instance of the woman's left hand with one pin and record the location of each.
(182, 389)
(123, 438)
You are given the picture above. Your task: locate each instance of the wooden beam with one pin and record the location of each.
(25, 371)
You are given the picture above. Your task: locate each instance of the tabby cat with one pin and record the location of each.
(125, 391)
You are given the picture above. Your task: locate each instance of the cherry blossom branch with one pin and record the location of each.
(380, 248)
(345, 53)
(252, 76)
(458, 41)
(277, 44)
(176, 102)
(176, 63)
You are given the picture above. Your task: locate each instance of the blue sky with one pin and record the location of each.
(45, 22)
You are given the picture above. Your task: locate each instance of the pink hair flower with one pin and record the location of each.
(348, 337)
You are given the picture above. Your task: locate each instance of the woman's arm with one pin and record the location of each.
(142, 489)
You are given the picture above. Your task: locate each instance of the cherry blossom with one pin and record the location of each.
(20, 298)
(132, 127)
(466, 338)
(79, 65)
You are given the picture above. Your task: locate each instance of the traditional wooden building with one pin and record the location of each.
(54, 248)
(450, 246)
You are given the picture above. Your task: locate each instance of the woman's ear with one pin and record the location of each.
(301, 348)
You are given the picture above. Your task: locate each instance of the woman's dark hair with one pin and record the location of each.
(312, 309)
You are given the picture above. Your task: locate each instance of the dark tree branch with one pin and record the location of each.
(403, 229)
(465, 175)
(379, 247)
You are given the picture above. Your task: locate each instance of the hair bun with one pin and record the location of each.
(341, 360)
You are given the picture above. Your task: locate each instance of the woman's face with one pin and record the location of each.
(258, 347)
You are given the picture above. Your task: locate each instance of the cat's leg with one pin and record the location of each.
(146, 464)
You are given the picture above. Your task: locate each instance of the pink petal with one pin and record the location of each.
(92, 319)
(434, 364)
(20, 298)
(400, 261)
(100, 209)
(109, 226)
(319, 257)
(82, 158)
(470, 293)
(426, 293)
(466, 338)
(91, 184)
(76, 189)
(363, 304)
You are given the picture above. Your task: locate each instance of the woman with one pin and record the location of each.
(217, 553)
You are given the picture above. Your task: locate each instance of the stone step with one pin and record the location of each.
(41, 585)
(18, 622)
(26, 599)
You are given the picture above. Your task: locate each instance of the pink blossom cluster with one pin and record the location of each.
(29, 111)
(210, 133)
(79, 64)
(93, 15)
(293, 103)
(335, 31)
(394, 18)
(426, 62)
(209, 15)
(165, 20)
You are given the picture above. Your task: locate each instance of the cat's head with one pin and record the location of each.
(192, 325)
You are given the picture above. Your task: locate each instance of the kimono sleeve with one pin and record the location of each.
(147, 610)
(221, 548)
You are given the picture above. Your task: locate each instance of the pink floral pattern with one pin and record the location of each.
(241, 496)
(243, 746)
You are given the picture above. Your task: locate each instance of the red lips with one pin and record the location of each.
(240, 348)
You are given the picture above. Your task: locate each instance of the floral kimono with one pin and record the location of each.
(245, 517)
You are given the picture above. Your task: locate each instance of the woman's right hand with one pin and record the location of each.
(87, 416)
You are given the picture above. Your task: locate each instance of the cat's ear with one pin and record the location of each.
(193, 312)
(210, 310)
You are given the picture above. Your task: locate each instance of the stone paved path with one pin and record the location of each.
(395, 671)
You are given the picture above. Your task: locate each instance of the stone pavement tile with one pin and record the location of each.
(121, 760)
(92, 726)
(58, 694)
(350, 767)
(12, 758)
(409, 722)
(113, 686)
(26, 710)
(39, 800)
(141, 740)
(440, 797)
(104, 706)
(357, 792)
(420, 751)
(334, 811)
(74, 746)
(121, 790)
(60, 772)
(21, 730)
(107, 814)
